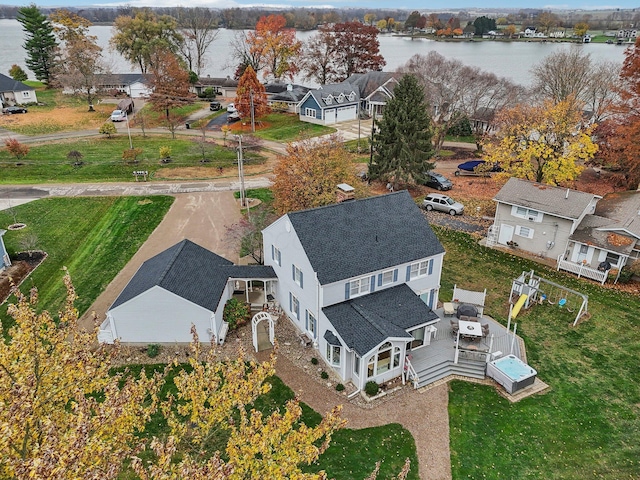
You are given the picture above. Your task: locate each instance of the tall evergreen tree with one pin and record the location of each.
(402, 143)
(41, 42)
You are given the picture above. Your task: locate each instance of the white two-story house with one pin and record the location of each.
(359, 279)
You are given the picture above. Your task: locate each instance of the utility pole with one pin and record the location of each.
(253, 119)
(241, 172)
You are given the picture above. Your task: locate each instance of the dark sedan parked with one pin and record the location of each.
(12, 110)
(438, 181)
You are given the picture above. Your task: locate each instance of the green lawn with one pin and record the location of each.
(93, 237)
(102, 159)
(389, 444)
(286, 127)
(588, 424)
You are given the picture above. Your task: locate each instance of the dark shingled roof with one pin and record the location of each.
(191, 272)
(559, 201)
(8, 84)
(366, 322)
(354, 238)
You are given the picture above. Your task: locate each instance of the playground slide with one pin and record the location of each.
(518, 305)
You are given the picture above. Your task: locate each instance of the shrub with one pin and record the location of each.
(108, 129)
(153, 350)
(236, 313)
(314, 360)
(165, 152)
(75, 157)
(324, 375)
(625, 275)
(15, 148)
(131, 154)
(339, 387)
(371, 388)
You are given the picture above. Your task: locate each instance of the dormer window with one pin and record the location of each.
(341, 98)
(352, 96)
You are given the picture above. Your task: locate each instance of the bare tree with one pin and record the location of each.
(452, 89)
(199, 29)
(244, 54)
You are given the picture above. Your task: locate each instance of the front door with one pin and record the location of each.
(506, 234)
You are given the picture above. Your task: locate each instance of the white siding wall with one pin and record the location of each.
(291, 253)
(159, 316)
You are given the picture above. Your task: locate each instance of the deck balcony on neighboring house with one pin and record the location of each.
(582, 269)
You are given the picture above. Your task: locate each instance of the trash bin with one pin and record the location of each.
(187, 125)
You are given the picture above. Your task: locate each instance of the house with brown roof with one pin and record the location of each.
(610, 238)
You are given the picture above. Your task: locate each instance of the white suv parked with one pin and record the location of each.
(438, 201)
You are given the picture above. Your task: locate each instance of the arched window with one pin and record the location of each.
(388, 357)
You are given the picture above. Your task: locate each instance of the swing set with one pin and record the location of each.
(541, 291)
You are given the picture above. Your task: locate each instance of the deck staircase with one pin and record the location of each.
(465, 367)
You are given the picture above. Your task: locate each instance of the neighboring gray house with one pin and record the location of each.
(538, 218)
(225, 87)
(376, 89)
(330, 104)
(5, 261)
(359, 280)
(13, 92)
(285, 94)
(184, 285)
(610, 236)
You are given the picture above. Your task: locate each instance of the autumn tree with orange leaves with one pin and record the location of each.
(618, 136)
(170, 81)
(276, 45)
(251, 95)
(308, 174)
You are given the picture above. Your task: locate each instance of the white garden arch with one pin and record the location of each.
(257, 318)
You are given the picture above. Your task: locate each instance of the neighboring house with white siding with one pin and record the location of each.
(13, 92)
(360, 280)
(183, 285)
(538, 218)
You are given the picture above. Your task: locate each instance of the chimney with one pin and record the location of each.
(345, 192)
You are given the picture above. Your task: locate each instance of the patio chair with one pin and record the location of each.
(485, 329)
(455, 327)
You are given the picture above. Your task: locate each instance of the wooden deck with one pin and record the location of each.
(436, 361)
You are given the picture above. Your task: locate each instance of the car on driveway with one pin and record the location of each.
(214, 106)
(437, 181)
(231, 108)
(233, 117)
(15, 109)
(118, 116)
(438, 201)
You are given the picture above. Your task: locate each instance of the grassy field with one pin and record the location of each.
(102, 159)
(93, 237)
(588, 424)
(286, 127)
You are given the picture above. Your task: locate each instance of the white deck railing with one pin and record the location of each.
(582, 270)
(410, 373)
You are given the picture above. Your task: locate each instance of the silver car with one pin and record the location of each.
(437, 201)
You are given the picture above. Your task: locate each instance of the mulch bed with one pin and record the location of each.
(22, 264)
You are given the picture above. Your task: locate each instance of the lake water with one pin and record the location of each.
(512, 60)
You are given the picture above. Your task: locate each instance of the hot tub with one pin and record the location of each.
(512, 373)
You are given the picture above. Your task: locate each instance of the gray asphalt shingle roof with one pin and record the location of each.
(354, 238)
(8, 84)
(191, 272)
(366, 322)
(562, 202)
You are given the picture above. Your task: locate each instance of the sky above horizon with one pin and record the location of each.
(448, 5)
